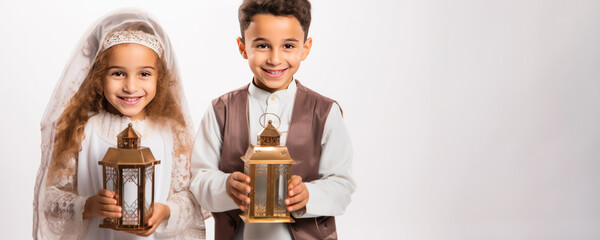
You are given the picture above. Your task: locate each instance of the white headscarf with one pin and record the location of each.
(76, 71)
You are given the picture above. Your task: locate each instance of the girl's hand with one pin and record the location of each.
(160, 212)
(297, 195)
(237, 189)
(102, 205)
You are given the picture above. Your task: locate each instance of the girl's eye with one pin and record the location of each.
(287, 46)
(117, 74)
(262, 45)
(145, 74)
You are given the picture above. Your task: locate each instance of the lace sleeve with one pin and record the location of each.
(62, 208)
(186, 213)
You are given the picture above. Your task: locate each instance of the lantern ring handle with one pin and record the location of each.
(265, 118)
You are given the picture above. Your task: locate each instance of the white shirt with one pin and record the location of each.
(328, 196)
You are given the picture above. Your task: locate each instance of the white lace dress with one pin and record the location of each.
(65, 195)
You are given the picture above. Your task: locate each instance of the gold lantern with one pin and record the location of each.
(269, 167)
(129, 171)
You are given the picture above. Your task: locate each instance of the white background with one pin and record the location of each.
(469, 119)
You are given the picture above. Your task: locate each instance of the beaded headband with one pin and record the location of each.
(138, 37)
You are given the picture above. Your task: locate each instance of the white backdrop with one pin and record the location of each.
(470, 119)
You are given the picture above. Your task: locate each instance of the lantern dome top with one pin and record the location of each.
(270, 131)
(129, 132)
(129, 138)
(269, 136)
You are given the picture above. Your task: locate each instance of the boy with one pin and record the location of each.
(274, 41)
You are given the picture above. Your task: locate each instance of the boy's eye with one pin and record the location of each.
(262, 45)
(288, 46)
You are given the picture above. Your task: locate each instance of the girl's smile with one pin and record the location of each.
(130, 100)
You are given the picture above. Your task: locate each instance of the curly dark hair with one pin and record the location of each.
(300, 9)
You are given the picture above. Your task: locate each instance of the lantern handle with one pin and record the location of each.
(262, 124)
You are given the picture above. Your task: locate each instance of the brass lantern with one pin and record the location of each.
(269, 167)
(129, 171)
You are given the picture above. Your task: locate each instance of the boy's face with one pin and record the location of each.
(274, 47)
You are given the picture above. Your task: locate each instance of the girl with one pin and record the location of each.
(122, 72)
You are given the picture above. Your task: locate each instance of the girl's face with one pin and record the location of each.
(130, 82)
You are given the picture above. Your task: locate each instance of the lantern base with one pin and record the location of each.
(266, 220)
(125, 228)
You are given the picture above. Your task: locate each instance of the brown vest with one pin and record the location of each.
(303, 142)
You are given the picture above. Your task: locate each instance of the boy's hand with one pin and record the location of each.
(237, 189)
(102, 205)
(160, 212)
(297, 195)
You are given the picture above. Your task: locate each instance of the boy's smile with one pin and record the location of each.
(275, 73)
(274, 47)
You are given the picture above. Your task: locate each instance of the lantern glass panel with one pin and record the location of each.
(260, 190)
(281, 178)
(148, 188)
(130, 196)
(111, 174)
